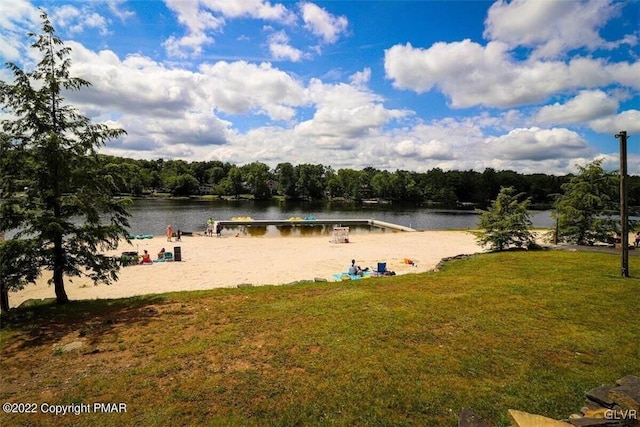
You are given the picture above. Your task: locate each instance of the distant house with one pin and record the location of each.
(465, 205)
(273, 186)
(206, 189)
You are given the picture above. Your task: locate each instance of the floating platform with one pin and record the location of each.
(323, 222)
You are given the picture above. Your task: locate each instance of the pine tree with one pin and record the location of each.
(586, 211)
(505, 223)
(56, 198)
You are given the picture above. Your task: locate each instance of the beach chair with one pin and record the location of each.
(382, 268)
(340, 235)
(168, 256)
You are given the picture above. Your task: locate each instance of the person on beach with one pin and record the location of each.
(161, 254)
(169, 233)
(638, 239)
(218, 229)
(146, 258)
(178, 236)
(210, 223)
(355, 270)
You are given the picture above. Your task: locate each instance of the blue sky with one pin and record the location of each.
(528, 85)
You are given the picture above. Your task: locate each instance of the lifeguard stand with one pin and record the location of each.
(340, 235)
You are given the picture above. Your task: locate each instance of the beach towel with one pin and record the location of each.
(346, 276)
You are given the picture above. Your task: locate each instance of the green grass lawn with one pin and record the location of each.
(528, 331)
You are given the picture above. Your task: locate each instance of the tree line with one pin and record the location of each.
(315, 182)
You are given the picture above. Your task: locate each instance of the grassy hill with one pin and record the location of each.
(529, 331)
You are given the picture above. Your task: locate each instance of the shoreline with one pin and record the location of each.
(229, 261)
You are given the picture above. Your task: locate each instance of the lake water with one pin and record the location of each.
(150, 216)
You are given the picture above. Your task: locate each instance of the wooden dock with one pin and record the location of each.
(308, 223)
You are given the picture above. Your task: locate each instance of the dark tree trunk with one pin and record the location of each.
(58, 281)
(4, 288)
(58, 272)
(4, 296)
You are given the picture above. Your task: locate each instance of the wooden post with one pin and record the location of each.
(624, 214)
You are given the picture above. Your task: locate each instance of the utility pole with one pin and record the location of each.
(624, 214)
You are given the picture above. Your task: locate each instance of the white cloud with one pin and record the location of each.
(627, 120)
(361, 78)
(322, 23)
(8, 49)
(187, 46)
(157, 89)
(17, 18)
(66, 15)
(198, 23)
(537, 144)
(18, 15)
(587, 105)
(232, 88)
(340, 95)
(241, 87)
(76, 20)
(201, 17)
(257, 9)
(280, 48)
(344, 118)
(341, 127)
(162, 109)
(551, 28)
(465, 71)
(626, 73)
(195, 18)
(173, 106)
(344, 113)
(190, 129)
(92, 20)
(116, 8)
(446, 143)
(433, 149)
(471, 74)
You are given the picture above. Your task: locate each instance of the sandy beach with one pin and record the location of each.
(229, 261)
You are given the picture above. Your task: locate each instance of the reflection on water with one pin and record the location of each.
(151, 216)
(296, 231)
